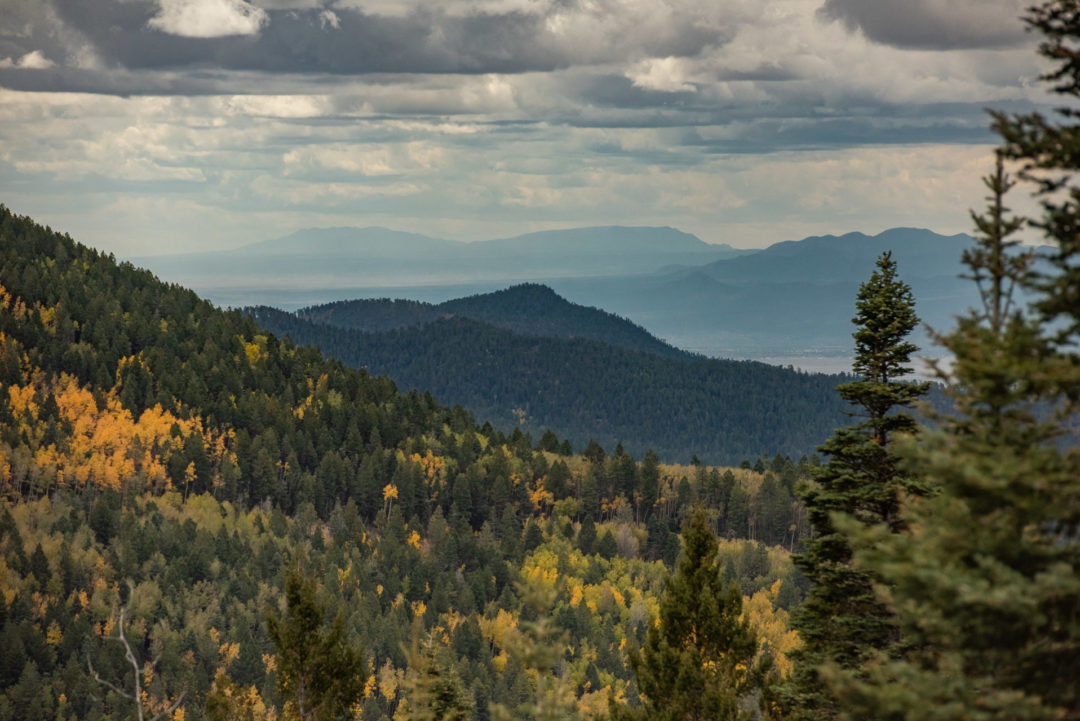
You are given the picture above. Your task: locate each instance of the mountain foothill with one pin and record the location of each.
(183, 484)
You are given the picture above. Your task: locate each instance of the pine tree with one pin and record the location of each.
(986, 585)
(539, 647)
(432, 689)
(841, 621)
(698, 662)
(319, 674)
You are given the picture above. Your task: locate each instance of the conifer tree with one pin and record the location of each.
(539, 647)
(987, 584)
(319, 674)
(432, 688)
(841, 621)
(698, 662)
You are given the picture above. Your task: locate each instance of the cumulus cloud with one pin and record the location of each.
(664, 74)
(34, 60)
(208, 18)
(933, 24)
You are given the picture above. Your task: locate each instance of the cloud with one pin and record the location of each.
(664, 74)
(34, 60)
(933, 24)
(279, 106)
(327, 18)
(411, 37)
(208, 18)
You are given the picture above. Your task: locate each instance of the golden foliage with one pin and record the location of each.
(106, 446)
(772, 627)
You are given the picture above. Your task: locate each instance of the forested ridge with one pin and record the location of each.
(528, 309)
(719, 410)
(166, 463)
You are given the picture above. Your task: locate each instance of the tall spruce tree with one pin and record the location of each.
(987, 583)
(697, 664)
(841, 621)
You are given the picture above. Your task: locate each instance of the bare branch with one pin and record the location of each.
(169, 711)
(134, 665)
(103, 682)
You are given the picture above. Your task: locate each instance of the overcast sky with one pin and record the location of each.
(148, 126)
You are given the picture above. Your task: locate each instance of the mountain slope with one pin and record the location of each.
(529, 309)
(722, 411)
(165, 464)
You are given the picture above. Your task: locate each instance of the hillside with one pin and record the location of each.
(529, 309)
(165, 465)
(722, 411)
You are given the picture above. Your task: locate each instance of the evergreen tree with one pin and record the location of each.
(841, 621)
(319, 673)
(433, 690)
(586, 537)
(987, 584)
(539, 647)
(698, 663)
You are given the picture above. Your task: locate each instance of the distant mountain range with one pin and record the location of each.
(526, 356)
(792, 299)
(354, 257)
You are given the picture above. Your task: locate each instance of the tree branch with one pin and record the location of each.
(169, 711)
(103, 682)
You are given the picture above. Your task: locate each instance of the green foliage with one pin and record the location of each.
(319, 673)
(402, 510)
(697, 663)
(842, 622)
(585, 389)
(202, 612)
(432, 687)
(538, 647)
(986, 585)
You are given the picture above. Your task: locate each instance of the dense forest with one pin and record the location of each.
(166, 463)
(201, 521)
(721, 411)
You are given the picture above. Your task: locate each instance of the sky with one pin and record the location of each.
(161, 126)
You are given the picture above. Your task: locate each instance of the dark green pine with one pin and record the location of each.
(697, 664)
(320, 675)
(841, 622)
(987, 582)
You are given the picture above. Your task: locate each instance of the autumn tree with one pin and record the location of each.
(841, 620)
(697, 663)
(230, 701)
(320, 674)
